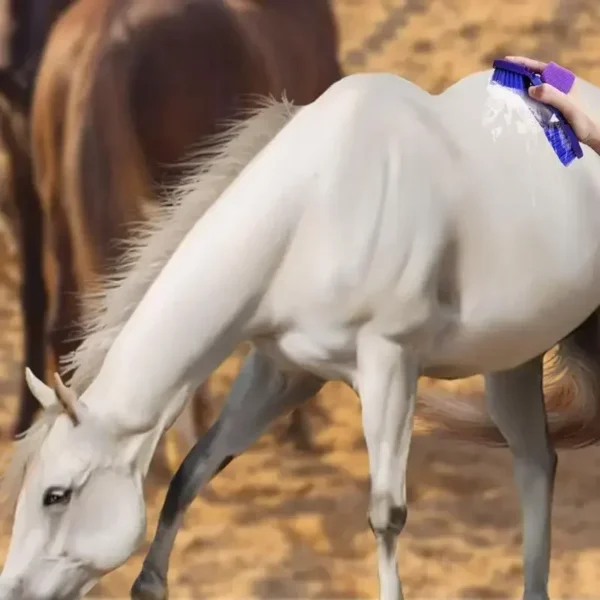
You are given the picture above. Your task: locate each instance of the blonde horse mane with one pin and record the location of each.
(107, 309)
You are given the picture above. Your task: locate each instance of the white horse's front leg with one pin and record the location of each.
(260, 393)
(516, 404)
(387, 383)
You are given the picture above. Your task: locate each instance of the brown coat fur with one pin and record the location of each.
(125, 90)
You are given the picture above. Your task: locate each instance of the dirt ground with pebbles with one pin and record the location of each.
(278, 523)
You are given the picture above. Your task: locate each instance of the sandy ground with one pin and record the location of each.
(281, 524)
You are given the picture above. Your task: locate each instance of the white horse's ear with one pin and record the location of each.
(67, 399)
(45, 395)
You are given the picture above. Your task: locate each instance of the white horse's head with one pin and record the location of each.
(80, 509)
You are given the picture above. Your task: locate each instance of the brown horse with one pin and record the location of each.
(125, 90)
(24, 25)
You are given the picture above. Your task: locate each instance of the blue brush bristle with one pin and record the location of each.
(511, 80)
(558, 132)
(560, 142)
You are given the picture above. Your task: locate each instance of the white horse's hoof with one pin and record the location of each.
(149, 586)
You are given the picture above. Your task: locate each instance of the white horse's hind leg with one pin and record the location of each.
(387, 384)
(516, 404)
(260, 393)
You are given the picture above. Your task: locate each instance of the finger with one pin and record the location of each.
(530, 63)
(550, 95)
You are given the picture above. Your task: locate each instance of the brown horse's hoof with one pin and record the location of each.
(149, 586)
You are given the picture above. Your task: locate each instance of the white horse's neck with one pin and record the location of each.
(199, 307)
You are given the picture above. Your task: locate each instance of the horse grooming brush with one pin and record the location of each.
(519, 79)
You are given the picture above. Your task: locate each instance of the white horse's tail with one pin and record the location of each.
(572, 392)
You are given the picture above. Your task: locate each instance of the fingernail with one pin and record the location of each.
(535, 90)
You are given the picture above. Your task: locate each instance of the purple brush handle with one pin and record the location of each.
(559, 77)
(562, 79)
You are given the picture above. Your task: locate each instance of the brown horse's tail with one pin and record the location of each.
(87, 164)
(572, 391)
(110, 184)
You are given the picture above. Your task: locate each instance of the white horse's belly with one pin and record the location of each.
(461, 349)
(477, 349)
(496, 326)
(507, 328)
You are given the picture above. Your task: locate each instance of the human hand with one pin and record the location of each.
(586, 129)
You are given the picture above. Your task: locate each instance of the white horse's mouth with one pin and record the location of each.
(74, 584)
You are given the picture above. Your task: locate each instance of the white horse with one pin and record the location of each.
(373, 236)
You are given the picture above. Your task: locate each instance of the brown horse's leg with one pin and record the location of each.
(33, 294)
(298, 430)
(203, 410)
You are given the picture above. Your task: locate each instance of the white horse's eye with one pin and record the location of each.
(56, 495)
